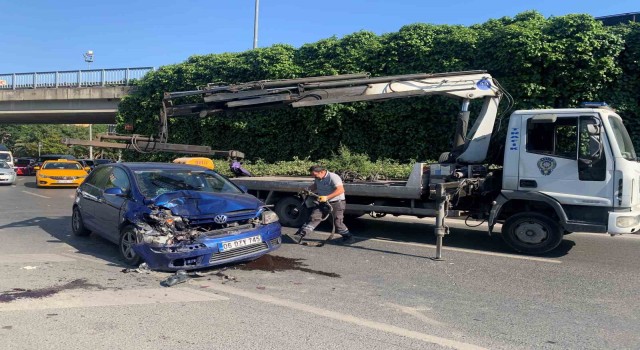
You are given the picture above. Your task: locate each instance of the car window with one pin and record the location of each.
(22, 162)
(4, 165)
(63, 166)
(119, 179)
(99, 177)
(4, 156)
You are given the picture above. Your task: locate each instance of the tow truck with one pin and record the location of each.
(563, 170)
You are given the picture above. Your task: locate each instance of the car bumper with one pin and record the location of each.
(206, 252)
(46, 182)
(624, 222)
(7, 179)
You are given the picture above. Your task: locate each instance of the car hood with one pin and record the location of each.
(198, 204)
(5, 171)
(62, 172)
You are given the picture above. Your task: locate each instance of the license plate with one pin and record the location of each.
(239, 243)
(65, 181)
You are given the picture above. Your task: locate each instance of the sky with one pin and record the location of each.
(48, 35)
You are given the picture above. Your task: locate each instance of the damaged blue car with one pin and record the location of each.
(174, 216)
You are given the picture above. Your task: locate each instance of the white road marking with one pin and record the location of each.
(416, 312)
(32, 258)
(463, 250)
(384, 327)
(37, 195)
(97, 298)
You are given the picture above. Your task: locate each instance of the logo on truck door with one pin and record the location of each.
(546, 165)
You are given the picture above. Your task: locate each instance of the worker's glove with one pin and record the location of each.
(322, 199)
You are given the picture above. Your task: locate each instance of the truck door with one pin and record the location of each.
(566, 157)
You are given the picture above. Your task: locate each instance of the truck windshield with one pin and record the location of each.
(622, 139)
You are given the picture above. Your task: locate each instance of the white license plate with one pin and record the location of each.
(239, 243)
(65, 181)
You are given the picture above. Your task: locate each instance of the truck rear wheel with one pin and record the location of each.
(291, 212)
(532, 233)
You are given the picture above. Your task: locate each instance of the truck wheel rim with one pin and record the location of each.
(531, 232)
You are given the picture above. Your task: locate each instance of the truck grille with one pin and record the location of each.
(256, 248)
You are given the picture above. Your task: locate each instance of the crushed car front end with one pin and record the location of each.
(189, 230)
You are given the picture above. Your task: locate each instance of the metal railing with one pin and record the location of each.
(77, 78)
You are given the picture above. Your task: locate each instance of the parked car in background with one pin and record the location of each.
(60, 173)
(7, 174)
(92, 163)
(6, 155)
(174, 216)
(25, 166)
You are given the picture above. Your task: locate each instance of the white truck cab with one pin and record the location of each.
(576, 167)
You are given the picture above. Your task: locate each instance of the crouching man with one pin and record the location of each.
(330, 189)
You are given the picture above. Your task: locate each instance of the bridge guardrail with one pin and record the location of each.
(79, 78)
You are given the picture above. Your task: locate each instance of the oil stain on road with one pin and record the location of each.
(19, 293)
(274, 263)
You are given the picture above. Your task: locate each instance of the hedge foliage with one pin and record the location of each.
(542, 62)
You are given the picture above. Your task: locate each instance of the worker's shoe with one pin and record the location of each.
(347, 238)
(298, 236)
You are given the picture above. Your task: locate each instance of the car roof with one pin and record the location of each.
(61, 161)
(134, 166)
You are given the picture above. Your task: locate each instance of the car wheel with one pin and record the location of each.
(291, 212)
(125, 246)
(77, 225)
(532, 233)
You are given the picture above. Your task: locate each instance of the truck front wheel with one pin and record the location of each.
(291, 212)
(532, 233)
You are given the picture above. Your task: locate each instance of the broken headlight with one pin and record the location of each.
(269, 217)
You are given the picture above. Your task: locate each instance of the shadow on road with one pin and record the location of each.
(60, 229)
(423, 232)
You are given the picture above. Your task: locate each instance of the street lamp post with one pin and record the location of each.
(88, 57)
(255, 25)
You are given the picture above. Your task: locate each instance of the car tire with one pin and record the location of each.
(291, 211)
(532, 233)
(77, 225)
(125, 246)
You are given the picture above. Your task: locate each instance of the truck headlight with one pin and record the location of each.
(269, 217)
(627, 221)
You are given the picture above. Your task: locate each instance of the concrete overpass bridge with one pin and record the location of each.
(65, 97)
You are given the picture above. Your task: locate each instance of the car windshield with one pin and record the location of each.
(22, 162)
(622, 139)
(4, 165)
(153, 183)
(62, 166)
(4, 156)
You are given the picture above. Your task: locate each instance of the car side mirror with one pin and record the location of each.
(115, 191)
(87, 168)
(36, 168)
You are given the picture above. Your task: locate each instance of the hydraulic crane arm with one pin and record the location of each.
(316, 91)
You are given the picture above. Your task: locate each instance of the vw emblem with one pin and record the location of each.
(220, 219)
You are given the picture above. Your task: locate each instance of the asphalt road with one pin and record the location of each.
(58, 291)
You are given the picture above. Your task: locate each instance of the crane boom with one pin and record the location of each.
(316, 91)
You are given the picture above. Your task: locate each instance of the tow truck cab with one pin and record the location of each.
(576, 167)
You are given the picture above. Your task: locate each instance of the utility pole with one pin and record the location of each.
(88, 57)
(255, 26)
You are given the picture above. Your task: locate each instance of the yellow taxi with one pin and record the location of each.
(60, 173)
(201, 161)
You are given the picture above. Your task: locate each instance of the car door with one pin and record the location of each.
(111, 205)
(88, 198)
